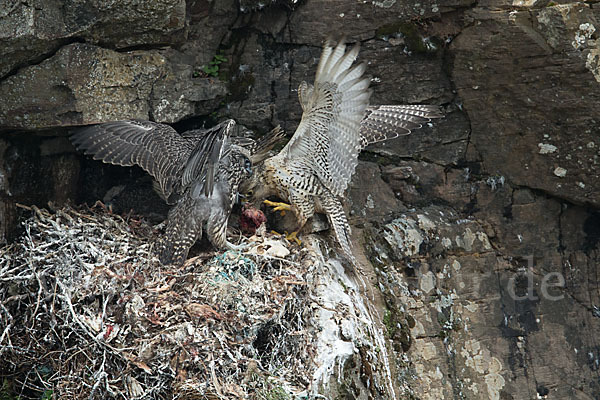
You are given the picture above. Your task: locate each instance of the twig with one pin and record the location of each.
(66, 254)
(5, 333)
(66, 297)
(37, 303)
(100, 375)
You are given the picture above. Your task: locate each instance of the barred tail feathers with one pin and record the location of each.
(339, 222)
(181, 234)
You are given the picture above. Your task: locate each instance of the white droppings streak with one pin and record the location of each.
(343, 330)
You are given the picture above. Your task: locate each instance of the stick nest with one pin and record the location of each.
(86, 311)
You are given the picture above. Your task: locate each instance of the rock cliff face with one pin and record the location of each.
(479, 235)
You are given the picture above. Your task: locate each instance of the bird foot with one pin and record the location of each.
(289, 236)
(292, 236)
(277, 206)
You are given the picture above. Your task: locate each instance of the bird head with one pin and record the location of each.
(255, 187)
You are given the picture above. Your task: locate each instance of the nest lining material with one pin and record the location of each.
(86, 311)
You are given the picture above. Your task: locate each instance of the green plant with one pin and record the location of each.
(213, 68)
(274, 393)
(388, 321)
(6, 391)
(47, 395)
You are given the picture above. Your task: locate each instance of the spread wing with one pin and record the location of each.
(157, 148)
(388, 122)
(259, 149)
(203, 161)
(175, 161)
(327, 139)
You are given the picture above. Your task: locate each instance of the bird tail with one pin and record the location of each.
(181, 234)
(337, 218)
(388, 122)
(265, 143)
(216, 226)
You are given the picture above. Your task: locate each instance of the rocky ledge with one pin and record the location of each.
(478, 236)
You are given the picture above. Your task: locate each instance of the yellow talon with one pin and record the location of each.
(283, 207)
(292, 236)
(289, 236)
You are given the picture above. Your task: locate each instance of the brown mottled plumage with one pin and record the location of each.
(199, 172)
(313, 170)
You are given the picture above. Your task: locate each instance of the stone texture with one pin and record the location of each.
(34, 29)
(209, 25)
(127, 23)
(499, 281)
(483, 320)
(180, 94)
(467, 225)
(83, 84)
(527, 80)
(27, 33)
(360, 20)
(80, 84)
(369, 197)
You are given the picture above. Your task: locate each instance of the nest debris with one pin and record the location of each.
(87, 311)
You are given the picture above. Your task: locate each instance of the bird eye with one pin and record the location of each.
(248, 166)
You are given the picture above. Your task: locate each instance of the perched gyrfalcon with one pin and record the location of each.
(198, 171)
(313, 170)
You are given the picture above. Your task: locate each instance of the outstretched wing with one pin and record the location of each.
(259, 150)
(388, 122)
(157, 148)
(327, 139)
(203, 161)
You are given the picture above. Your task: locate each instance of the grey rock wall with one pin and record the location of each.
(463, 224)
(31, 31)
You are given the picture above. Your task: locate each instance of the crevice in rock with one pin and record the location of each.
(555, 196)
(579, 302)
(43, 57)
(561, 246)
(388, 159)
(138, 47)
(591, 227)
(516, 359)
(198, 122)
(459, 140)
